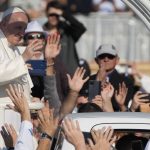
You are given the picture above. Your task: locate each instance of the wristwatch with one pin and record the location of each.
(44, 135)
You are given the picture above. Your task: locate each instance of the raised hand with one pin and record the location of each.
(98, 101)
(121, 94)
(47, 122)
(138, 100)
(53, 46)
(77, 81)
(9, 135)
(15, 92)
(32, 49)
(73, 134)
(107, 92)
(102, 138)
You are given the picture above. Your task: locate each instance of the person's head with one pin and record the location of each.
(89, 107)
(107, 55)
(13, 24)
(34, 31)
(53, 18)
(131, 142)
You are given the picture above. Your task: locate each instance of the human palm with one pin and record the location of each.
(77, 80)
(120, 96)
(53, 47)
(107, 92)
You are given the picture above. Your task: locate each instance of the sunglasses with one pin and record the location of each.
(53, 15)
(109, 56)
(35, 36)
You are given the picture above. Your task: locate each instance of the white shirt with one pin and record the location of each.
(25, 138)
(145, 81)
(148, 146)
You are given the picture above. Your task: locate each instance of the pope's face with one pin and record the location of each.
(15, 27)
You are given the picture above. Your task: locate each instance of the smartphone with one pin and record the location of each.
(94, 89)
(39, 67)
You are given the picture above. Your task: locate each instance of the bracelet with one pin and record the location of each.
(45, 135)
(49, 65)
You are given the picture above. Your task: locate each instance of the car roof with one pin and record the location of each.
(136, 121)
(125, 120)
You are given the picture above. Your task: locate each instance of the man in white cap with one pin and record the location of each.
(13, 69)
(107, 58)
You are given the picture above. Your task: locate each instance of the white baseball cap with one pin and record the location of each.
(106, 49)
(12, 10)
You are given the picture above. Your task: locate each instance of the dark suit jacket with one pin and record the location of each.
(114, 78)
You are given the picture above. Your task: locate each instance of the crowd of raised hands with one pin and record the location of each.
(102, 139)
(47, 122)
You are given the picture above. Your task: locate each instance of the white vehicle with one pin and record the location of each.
(120, 121)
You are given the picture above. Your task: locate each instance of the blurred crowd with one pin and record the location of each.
(49, 72)
(36, 8)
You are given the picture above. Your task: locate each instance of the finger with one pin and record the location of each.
(93, 133)
(53, 38)
(113, 140)
(65, 127)
(16, 90)
(91, 144)
(12, 128)
(111, 131)
(86, 79)
(77, 125)
(32, 43)
(10, 95)
(120, 88)
(48, 40)
(76, 72)
(36, 53)
(51, 113)
(106, 133)
(40, 116)
(82, 73)
(58, 39)
(143, 100)
(8, 128)
(68, 124)
(69, 77)
(10, 107)
(12, 92)
(56, 121)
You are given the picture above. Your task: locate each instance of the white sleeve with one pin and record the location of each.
(147, 145)
(25, 138)
(12, 69)
(145, 81)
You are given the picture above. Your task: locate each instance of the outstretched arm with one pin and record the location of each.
(25, 138)
(75, 85)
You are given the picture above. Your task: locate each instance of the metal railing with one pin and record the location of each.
(127, 32)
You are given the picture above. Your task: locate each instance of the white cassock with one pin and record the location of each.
(13, 70)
